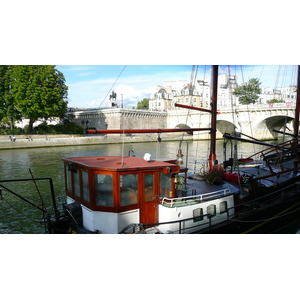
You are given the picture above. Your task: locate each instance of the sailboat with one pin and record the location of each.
(128, 194)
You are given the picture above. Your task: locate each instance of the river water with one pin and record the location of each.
(17, 216)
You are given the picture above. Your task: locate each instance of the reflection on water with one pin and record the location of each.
(17, 216)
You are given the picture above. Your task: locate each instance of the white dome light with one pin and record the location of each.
(147, 156)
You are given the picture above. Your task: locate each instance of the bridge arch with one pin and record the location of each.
(182, 126)
(264, 128)
(225, 127)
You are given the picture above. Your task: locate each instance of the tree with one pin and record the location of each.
(143, 104)
(39, 92)
(275, 101)
(8, 110)
(248, 93)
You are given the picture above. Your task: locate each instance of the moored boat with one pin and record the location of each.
(148, 196)
(128, 194)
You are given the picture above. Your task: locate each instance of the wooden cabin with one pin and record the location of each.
(115, 191)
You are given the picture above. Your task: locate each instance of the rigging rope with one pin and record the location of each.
(113, 85)
(191, 92)
(265, 220)
(277, 77)
(123, 139)
(158, 147)
(249, 120)
(197, 144)
(233, 113)
(261, 73)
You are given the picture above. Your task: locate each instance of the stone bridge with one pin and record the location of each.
(253, 120)
(118, 118)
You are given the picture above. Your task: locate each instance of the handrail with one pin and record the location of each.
(142, 225)
(202, 197)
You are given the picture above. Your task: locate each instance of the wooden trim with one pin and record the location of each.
(115, 187)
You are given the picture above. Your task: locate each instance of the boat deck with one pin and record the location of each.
(197, 187)
(262, 171)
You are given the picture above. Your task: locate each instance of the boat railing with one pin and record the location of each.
(188, 200)
(288, 193)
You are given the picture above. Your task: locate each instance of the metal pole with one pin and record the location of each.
(213, 133)
(297, 109)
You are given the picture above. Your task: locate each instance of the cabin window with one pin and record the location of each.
(85, 186)
(128, 189)
(149, 188)
(165, 185)
(211, 210)
(68, 180)
(223, 207)
(198, 214)
(76, 183)
(103, 190)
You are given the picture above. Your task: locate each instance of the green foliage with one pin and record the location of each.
(32, 92)
(43, 128)
(143, 104)
(67, 128)
(15, 131)
(39, 92)
(275, 101)
(8, 109)
(248, 93)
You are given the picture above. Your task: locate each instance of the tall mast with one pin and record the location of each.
(297, 109)
(212, 155)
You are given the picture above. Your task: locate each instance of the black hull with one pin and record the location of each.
(279, 218)
(271, 216)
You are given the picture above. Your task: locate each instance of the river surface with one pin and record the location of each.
(17, 216)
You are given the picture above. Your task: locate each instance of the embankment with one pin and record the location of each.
(39, 141)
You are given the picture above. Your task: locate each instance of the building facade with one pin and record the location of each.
(195, 95)
(200, 94)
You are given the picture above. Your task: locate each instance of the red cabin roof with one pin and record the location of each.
(119, 163)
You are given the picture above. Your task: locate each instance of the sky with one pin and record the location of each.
(158, 41)
(91, 85)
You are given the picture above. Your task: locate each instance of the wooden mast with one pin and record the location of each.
(297, 108)
(212, 155)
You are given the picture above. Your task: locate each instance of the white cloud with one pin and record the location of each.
(127, 91)
(96, 92)
(84, 74)
(132, 95)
